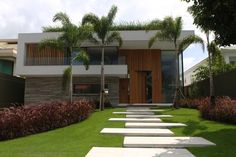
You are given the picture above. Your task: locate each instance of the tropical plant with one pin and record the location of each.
(69, 41)
(170, 29)
(103, 37)
(217, 16)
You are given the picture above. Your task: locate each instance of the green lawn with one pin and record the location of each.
(76, 140)
(223, 135)
(72, 141)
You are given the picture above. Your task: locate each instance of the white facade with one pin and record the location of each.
(131, 40)
(229, 55)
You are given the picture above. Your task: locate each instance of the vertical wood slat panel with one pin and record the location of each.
(138, 62)
(48, 56)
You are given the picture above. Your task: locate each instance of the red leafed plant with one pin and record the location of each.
(223, 111)
(31, 119)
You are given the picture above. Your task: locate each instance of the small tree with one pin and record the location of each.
(170, 29)
(70, 39)
(104, 37)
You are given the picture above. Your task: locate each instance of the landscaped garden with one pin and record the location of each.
(77, 139)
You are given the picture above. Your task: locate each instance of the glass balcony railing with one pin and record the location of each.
(34, 61)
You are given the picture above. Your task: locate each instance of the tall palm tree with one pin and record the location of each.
(170, 29)
(103, 37)
(70, 39)
(212, 50)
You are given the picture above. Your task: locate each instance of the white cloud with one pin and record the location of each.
(19, 16)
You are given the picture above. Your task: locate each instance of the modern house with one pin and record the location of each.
(8, 50)
(133, 72)
(229, 55)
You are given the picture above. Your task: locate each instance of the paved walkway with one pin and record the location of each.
(147, 136)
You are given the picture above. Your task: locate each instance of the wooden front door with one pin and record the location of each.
(124, 90)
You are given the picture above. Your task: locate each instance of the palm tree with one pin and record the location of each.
(103, 36)
(170, 29)
(69, 41)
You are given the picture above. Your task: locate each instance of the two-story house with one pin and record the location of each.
(133, 72)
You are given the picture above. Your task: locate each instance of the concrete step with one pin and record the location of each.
(137, 152)
(150, 120)
(135, 113)
(166, 142)
(138, 108)
(149, 116)
(137, 132)
(153, 125)
(144, 110)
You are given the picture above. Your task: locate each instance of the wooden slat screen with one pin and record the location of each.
(139, 61)
(48, 56)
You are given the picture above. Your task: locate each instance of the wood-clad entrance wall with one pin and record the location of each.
(139, 62)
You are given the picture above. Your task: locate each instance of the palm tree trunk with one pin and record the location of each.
(71, 83)
(212, 90)
(102, 82)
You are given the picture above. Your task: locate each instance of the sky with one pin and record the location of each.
(25, 16)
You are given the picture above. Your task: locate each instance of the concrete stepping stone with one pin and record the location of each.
(135, 113)
(139, 110)
(149, 116)
(166, 142)
(137, 152)
(154, 125)
(150, 120)
(137, 132)
(152, 104)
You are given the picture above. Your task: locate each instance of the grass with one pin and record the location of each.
(76, 140)
(72, 141)
(223, 135)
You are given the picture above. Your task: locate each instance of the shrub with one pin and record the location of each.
(107, 104)
(31, 119)
(223, 111)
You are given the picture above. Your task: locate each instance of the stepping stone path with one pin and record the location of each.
(153, 125)
(147, 136)
(149, 116)
(137, 132)
(137, 152)
(165, 142)
(153, 120)
(134, 113)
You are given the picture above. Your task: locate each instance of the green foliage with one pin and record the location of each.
(66, 78)
(218, 66)
(132, 26)
(218, 16)
(103, 27)
(194, 90)
(69, 40)
(170, 29)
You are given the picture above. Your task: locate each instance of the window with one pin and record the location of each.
(87, 89)
(232, 60)
(6, 67)
(168, 67)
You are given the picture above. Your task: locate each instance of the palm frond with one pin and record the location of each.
(190, 40)
(52, 29)
(85, 32)
(66, 78)
(63, 18)
(52, 43)
(90, 18)
(153, 39)
(83, 56)
(153, 25)
(213, 49)
(114, 36)
(178, 26)
(111, 15)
